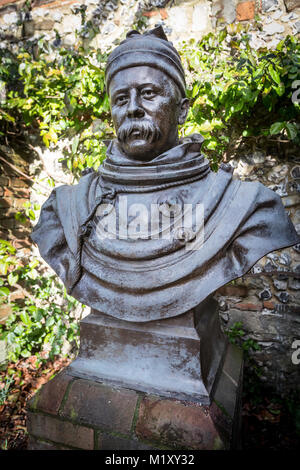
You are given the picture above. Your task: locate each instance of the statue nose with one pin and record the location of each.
(134, 109)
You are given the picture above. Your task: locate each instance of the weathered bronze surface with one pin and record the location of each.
(162, 356)
(119, 239)
(147, 279)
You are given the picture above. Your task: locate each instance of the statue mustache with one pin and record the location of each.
(147, 130)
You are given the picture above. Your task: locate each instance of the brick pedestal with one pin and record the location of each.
(70, 412)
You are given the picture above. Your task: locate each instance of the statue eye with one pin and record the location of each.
(121, 99)
(148, 93)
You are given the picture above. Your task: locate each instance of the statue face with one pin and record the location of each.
(146, 108)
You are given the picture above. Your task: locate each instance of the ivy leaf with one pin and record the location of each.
(8, 117)
(206, 126)
(292, 130)
(280, 89)
(222, 35)
(3, 268)
(212, 144)
(25, 353)
(31, 214)
(19, 330)
(277, 127)
(12, 279)
(55, 349)
(4, 291)
(50, 321)
(48, 338)
(11, 338)
(75, 144)
(195, 90)
(25, 318)
(274, 74)
(46, 139)
(20, 217)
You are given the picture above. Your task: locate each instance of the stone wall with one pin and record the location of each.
(14, 192)
(266, 300)
(102, 22)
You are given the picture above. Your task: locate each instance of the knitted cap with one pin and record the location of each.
(152, 49)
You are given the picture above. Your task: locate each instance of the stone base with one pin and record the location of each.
(70, 412)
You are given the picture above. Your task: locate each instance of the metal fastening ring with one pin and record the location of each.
(167, 205)
(183, 234)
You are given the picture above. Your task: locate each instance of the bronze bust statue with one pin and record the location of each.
(148, 277)
(147, 239)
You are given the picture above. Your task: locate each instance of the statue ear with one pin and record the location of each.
(183, 105)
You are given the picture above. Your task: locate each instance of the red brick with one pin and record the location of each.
(44, 25)
(50, 395)
(61, 432)
(19, 244)
(100, 405)
(21, 233)
(176, 424)
(268, 304)
(8, 192)
(36, 444)
(6, 202)
(4, 180)
(18, 294)
(163, 13)
(19, 183)
(26, 252)
(248, 306)
(150, 13)
(7, 212)
(22, 193)
(245, 11)
(112, 442)
(5, 311)
(8, 223)
(7, 2)
(291, 4)
(19, 203)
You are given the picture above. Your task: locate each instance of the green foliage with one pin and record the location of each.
(238, 93)
(254, 390)
(4, 390)
(62, 94)
(236, 335)
(38, 324)
(28, 212)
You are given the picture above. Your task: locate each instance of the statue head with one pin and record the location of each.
(146, 86)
